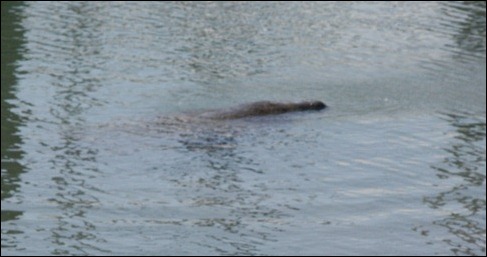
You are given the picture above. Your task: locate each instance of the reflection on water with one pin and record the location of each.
(99, 156)
(72, 194)
(11, 140)
(465, 162)
(214, 181)
(464, 24)
(469, 29)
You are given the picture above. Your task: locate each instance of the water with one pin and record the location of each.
(98, 157)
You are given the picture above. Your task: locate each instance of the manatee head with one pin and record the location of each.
(311, 105)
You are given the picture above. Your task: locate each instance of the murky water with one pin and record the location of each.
(99, 158)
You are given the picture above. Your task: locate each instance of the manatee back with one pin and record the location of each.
(263, 108)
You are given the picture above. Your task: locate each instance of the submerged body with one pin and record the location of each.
(264, 108)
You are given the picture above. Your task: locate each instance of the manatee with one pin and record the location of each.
(199, 129)
(263, 108)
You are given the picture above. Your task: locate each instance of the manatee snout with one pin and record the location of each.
(316, 105)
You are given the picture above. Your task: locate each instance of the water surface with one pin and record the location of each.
(99, 157)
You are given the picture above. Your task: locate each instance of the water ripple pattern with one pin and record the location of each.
(106, 149)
